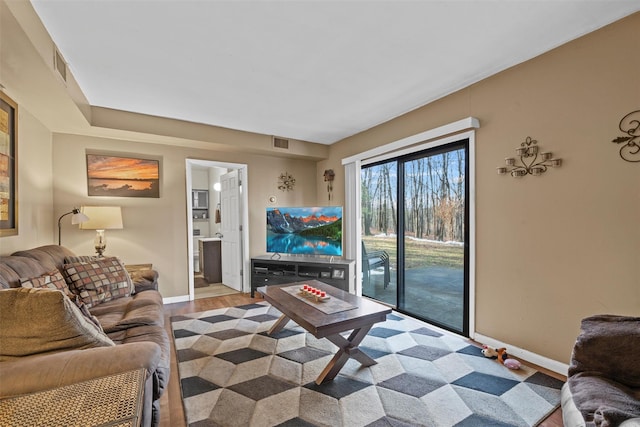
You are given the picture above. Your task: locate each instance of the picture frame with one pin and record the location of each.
(110, 175)
(8, 166)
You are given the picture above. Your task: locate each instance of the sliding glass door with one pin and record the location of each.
(414, 217)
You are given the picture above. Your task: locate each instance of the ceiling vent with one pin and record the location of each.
(280, 143)
(59, 64)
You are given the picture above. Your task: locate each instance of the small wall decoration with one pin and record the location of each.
(329, 175)
(122, 176)
(531, 162)
(286, 182)
(630, 124)
(8, 166)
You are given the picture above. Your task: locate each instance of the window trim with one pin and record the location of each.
(442, 135)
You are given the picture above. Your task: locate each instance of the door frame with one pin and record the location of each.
(451, 132)
(244, 213)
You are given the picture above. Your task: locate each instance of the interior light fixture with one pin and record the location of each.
(76, 218)
(102, 218)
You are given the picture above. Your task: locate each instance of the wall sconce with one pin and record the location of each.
(102, 218)
(77, 218)
(532, 162)
(329, 175)
(286, 182)
(630, 124)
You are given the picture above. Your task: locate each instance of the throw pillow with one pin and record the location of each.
(36, 321)
(90, 258)
(52, 280)
(85, 311)
(98, 281)
(79, 258)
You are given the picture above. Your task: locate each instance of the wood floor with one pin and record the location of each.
(171, 410)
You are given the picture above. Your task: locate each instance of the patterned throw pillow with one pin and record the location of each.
(98, 281)
(80, 258)
(52, 280)
(89, 258)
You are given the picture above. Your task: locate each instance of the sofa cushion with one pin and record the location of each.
(144, 308)
(98, 281)
(49, 256)
(51, 280)
(34, 321)
(12, 268)
(70, 259)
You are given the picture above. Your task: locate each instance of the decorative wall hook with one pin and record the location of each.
(532, 162)
(286, 182)
(329, 175)
(630, 124)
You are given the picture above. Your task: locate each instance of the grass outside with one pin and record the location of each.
(418, 253)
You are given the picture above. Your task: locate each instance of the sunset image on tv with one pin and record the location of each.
(122, 176)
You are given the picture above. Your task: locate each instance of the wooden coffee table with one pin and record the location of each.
(359, 320)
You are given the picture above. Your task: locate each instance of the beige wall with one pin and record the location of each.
(155, 230)
(550, 250)
(556, 248)
(35, 190)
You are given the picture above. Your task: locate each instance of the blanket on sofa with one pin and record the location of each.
(604, 375)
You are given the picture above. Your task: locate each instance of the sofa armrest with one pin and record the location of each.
(45, 372)
(144, 280)
(571, 416)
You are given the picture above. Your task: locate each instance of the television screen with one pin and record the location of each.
(305, 230)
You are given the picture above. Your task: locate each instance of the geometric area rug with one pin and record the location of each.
(233, 374)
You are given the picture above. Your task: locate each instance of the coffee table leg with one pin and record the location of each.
(279, 325)
(348, 348)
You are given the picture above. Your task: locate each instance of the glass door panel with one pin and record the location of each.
(414, 234)
(434, 285)
(379, 235)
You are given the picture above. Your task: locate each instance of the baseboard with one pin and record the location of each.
(545, 362)
(171, 300)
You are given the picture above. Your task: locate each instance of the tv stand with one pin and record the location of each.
(266, 270)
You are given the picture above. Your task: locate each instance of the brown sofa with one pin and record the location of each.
(603, 385)
(49, 339)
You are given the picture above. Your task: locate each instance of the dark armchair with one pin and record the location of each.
(371, 261)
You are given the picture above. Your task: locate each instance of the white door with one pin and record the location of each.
(230, 216)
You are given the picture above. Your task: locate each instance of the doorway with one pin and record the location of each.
(217, 228)
(414, 238)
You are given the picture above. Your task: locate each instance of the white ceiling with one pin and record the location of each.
(317, 71)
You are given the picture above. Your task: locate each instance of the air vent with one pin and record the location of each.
(60, 65)
(280, 143)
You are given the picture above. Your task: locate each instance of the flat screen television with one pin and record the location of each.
(305, 230)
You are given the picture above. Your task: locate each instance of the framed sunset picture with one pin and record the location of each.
(122, 176)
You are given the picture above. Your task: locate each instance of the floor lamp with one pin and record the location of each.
(77, 218)
(102, 218)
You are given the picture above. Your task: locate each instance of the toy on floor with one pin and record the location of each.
(489, 352)
(503, 358)
(501, 355)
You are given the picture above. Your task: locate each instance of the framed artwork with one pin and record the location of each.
(8, 166)
(116, 176)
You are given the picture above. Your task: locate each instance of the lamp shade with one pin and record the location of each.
(78, 217)
(102, 217)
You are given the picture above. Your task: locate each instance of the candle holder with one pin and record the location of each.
(630, 149)
(531, 162)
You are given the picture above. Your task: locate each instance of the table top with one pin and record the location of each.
(366, 312)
